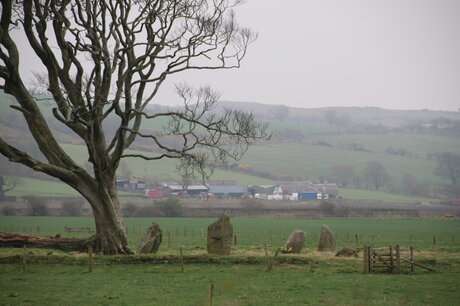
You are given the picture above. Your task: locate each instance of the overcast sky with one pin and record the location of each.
(400, 54)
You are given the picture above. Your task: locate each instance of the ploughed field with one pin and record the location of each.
(423, 234)
(317, 279)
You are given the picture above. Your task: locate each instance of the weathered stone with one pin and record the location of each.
(220, 236)
(295, 242)
(326, 240)
(347, 252)
(152, 240)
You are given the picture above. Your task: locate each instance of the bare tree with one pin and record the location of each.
(7, 184)
(376, 175)
(343, 174)
(448, 166)
(108, 58)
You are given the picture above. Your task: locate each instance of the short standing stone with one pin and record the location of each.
(220, 236)
(326, 240)
(347, 252)
(295, 242)
(152, 240)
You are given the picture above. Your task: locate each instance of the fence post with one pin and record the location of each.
(434, 241)
(235, 239)
(267, 259)
(211, 293)
(181, 258)
(169, 239)
(90, 258)
(357, 239)
(24, 259)
(411, 258)
(392, 266)
(370, 256)
(365, 260)
(398, 259)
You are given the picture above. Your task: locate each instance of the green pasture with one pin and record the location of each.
(311, 162)
(327, 283)
(374, 195)
(253, 233)
(163, 170)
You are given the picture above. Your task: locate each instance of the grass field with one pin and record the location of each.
(253, 233)
(373, 195)
(311, 162)
(319, 280)
(334, 283)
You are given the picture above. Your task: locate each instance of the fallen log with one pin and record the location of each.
(13, 240)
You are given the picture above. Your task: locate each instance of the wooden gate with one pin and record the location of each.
(392, 259)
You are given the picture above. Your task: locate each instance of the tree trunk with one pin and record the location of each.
(110, 237)
(13, 240)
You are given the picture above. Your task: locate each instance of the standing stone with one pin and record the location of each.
(326, 240)
(295, 242)
(151, 241)
(220, 234)
(347, 252)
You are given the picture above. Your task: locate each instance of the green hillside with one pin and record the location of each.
(306, 143)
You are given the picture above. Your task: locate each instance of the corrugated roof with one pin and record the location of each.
(226, 189)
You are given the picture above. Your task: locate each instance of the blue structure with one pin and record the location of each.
(308, 196)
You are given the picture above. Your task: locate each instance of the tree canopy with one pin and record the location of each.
(110, 58)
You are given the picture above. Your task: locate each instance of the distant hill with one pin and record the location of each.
(307, 143)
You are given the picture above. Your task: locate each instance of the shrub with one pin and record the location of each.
(37, 205)
(72, 207)
(251, 203)
(170, 207)
(8, 211)
(327, 208)
(147, 211)
(129, 210)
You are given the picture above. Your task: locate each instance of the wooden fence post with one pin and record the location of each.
(370, 257)
(24, 259)
(434, 241)
(235, 239)
(211, 294)
(411, 258)
(392, 265)
(365, 260)
(168, 234)
(90, 259)
(268, 259)
(357, 239)
(181, 258)
(398, 259)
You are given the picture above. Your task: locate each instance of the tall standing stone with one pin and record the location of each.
(295, 242)
(152, 240)
(326, 240)
(220, 235)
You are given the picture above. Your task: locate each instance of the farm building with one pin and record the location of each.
(156, 193)
(131, 184)
(227, 191)
(295, 191)
(191, 190)
(261, 191)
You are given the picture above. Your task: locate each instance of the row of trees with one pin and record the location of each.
(375, 176)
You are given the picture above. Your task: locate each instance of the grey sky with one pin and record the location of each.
(311, 53)
(402, 54)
